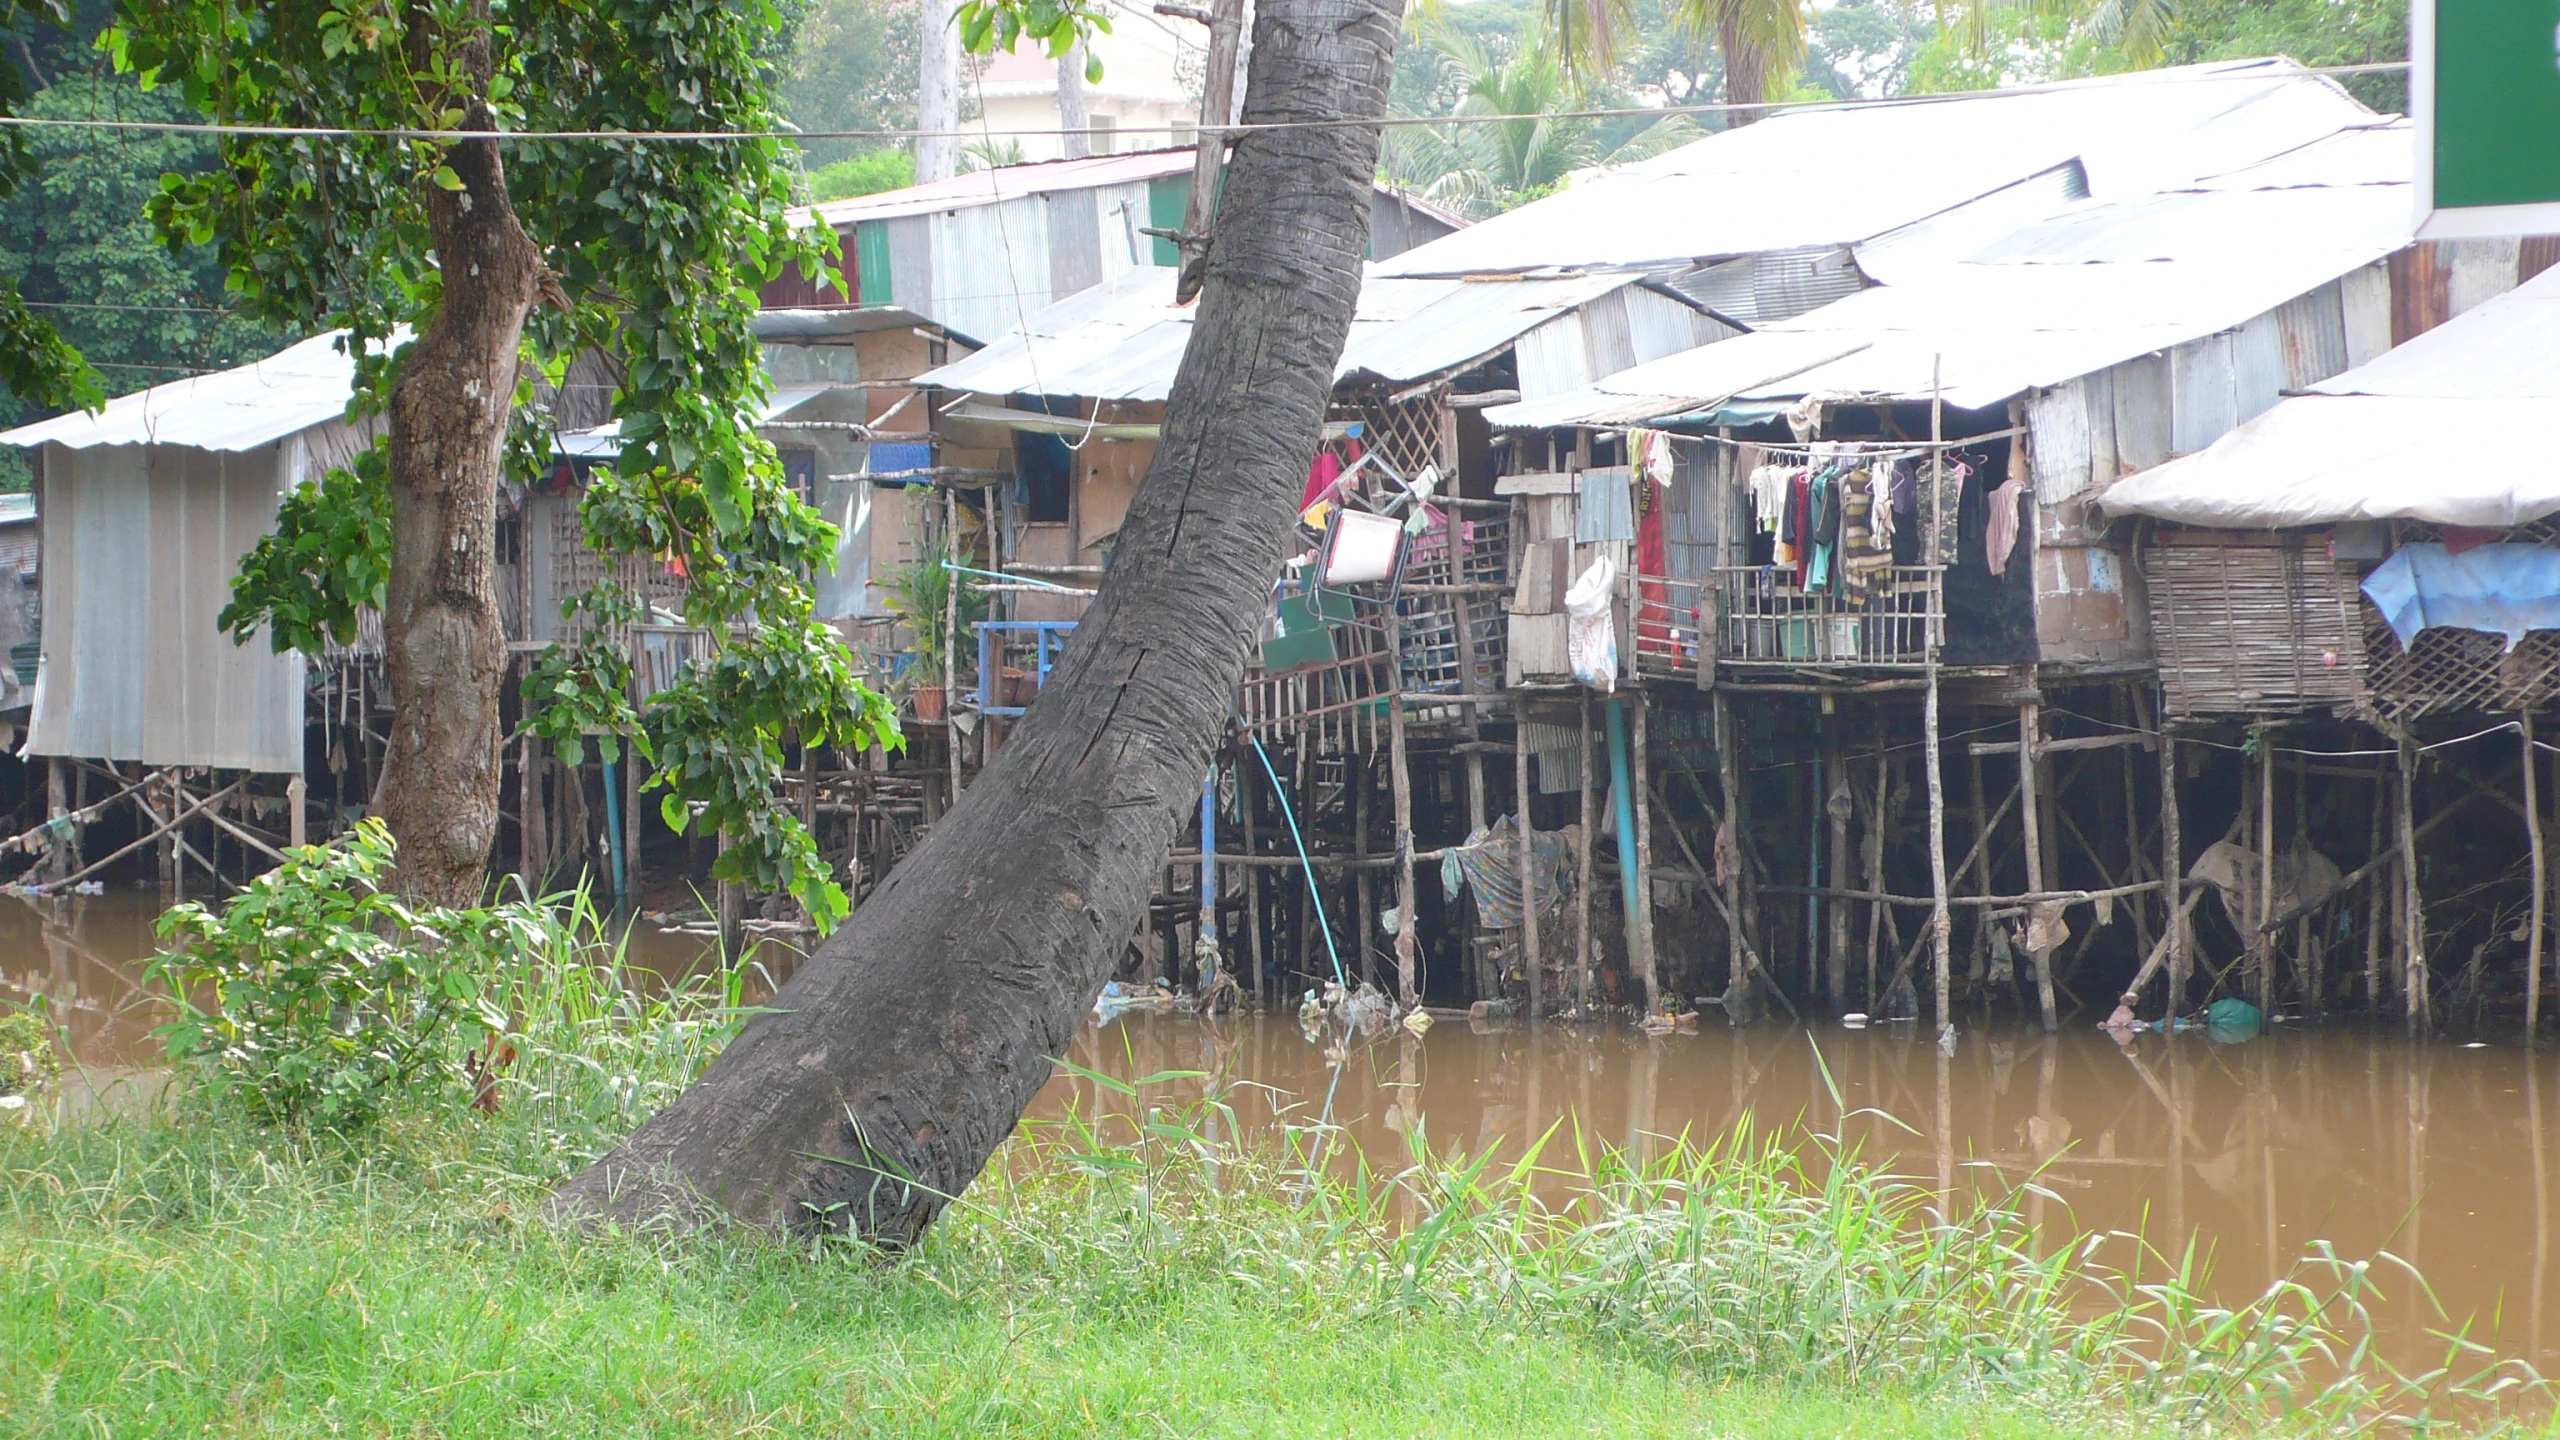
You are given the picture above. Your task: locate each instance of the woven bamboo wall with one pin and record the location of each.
(2255, 628)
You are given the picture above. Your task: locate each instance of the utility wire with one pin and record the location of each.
(336, 132)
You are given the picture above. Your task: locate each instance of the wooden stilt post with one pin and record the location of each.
(1252, 880)
(57, 803)
(2541, 883)
(2262, 944)
(1364, 884)
(1582, 874)
(1875, 858)
(1980, 860)
(1729, 772)
(1939, 921)
(1528, 863)
(2030, 759)
(1640, 926)
(2376, 903)
(2172, 868)
(1836, 911)
(1400, 792)
(2413, 916)
(297, 827)
(1487, 983)
(2309, 981)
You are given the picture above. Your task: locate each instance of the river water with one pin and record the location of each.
(2434, 1152)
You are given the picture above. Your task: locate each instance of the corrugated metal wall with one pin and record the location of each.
(140, 546)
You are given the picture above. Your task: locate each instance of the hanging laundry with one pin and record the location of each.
(1882, 523)
(1606, 512)
(1768, 497)
(2000, 525)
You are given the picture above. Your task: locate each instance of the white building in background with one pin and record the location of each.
(1148, 98)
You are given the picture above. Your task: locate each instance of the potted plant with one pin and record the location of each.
(920, 595)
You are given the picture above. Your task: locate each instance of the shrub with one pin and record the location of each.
(27, 1058)
(331, 999)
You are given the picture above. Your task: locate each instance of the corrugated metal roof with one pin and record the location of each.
(242, 409)
(2371, 444)
(1123, 339)
(1003, 182)
(2059, 299)
(1835, 176)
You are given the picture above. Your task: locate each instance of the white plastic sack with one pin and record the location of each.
(1591, 636)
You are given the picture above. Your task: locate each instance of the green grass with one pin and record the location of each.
(190, 1274)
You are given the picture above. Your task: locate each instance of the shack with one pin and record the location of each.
(139, 698)
(986, 251)
(2339, 584)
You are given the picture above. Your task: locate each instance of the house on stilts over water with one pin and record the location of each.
(1821, 619)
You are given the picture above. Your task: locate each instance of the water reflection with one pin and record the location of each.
(2254, 1151)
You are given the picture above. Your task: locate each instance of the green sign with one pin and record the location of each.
(2484, 88)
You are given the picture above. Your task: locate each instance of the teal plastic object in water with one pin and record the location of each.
(2231, 1020)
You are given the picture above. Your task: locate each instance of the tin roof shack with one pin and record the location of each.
(983, 252)
(147, 508)
(2054, 356)
(1063, 416)
(2353, 560)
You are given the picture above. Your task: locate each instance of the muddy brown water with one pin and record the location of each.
(2440, 1153)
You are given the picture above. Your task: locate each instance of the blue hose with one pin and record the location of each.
(1314, 896)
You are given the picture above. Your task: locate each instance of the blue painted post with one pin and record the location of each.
(1622, 800)
(1207, 946)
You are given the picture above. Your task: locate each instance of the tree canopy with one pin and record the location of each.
(652, 255)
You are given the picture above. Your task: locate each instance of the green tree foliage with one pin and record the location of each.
(866, 174)
(85, 257)
(1485, 168)
(36, 364)
(654, 255)
(853, 67)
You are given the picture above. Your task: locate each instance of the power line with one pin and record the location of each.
(335, 132)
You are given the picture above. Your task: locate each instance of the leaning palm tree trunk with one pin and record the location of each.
(894, 1063)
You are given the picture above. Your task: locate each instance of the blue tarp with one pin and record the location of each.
(2501, 589)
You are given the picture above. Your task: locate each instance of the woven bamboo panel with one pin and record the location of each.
(2458, 670)
(2254, 629)
(1408, 435)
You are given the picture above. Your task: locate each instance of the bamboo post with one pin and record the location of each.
(1640, 927)
(2172, 869)
(2262, 944)
(2541, 882)
(1400, 791)
(1528, 865)
(2413, 935)
(1582, 875)
(1836, 911)
(1980, 861)
(2030, 757)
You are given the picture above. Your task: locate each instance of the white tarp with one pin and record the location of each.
(2399, 438)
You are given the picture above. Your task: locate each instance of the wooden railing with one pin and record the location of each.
(1759, 617)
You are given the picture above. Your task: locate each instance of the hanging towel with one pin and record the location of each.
(2000, 526)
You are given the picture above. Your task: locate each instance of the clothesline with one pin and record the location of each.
(1837, 448)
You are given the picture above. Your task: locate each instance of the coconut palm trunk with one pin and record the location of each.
(900, 1056)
